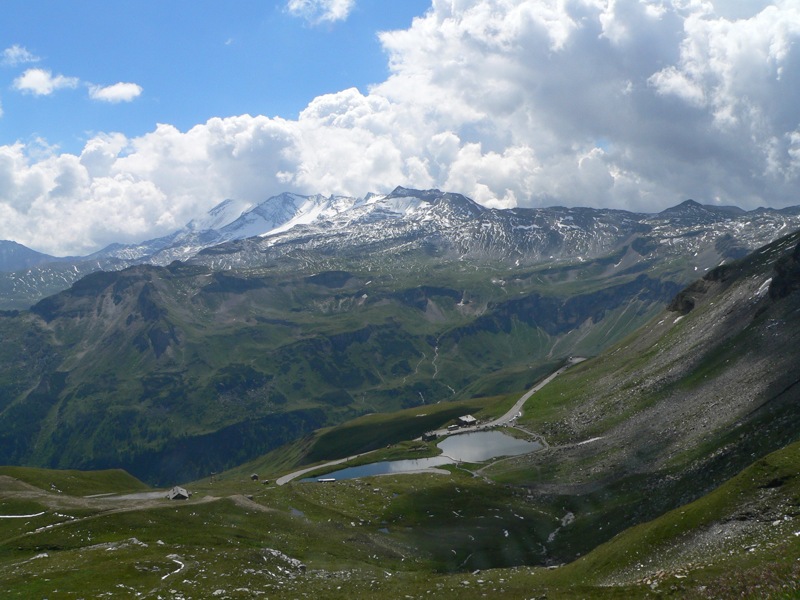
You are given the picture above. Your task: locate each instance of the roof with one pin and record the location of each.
(178, 493)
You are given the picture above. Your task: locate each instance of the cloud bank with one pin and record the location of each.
(621, 103)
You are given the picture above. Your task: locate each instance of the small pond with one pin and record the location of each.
(469, 447)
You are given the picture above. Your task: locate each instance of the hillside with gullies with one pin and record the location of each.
(175, 372)
(669, 467)
(675, 409)
(306, 312)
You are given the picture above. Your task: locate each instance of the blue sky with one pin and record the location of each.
(121, 121)
(194, 59)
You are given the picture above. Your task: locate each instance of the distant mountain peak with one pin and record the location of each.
(436, 197)
(693, 209)
(691, 204)
(402, 192)
(15, 256)
(221, 215)
(687, 207)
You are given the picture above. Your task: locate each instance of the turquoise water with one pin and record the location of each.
(469, 447)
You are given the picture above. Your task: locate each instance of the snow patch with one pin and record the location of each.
(589, 441)
(22, 516)
(221, 215)
(764, 287)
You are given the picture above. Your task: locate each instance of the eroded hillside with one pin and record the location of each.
(672, 411)
(175, 372)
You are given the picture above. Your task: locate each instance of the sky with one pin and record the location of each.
(121, 121)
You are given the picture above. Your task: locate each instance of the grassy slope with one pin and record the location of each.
(138, 359)
(77, 483)
(392, 536)
(668, 414)
(742, 537)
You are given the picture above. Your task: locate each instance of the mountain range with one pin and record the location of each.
(339, 307)
(314, 233)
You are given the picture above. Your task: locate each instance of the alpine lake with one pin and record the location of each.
(478, 446)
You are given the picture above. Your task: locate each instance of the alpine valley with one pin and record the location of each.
(270, 338)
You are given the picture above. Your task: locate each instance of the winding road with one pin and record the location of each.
(296, 474)
(505, 419)
(515, 410)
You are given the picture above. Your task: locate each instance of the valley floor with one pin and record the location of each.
(509, 417)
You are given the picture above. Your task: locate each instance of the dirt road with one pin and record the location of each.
(508, 417)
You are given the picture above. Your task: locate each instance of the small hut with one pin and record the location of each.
(178, 493)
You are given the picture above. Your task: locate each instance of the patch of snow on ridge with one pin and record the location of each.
(312, 209)
(224, 213)
(764, 287)
(401, 205)
(39, 514)
(589, 441)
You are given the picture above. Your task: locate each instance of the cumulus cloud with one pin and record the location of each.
(122, 189)
(635, 104)
(320, 11)
(17, 55)
(118, 92)
(41, 82)
(734, 68)
(681, 100)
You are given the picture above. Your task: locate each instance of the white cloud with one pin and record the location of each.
(17, 55)
(121, 189)
(42, 82)
(630, 104)
(734, 67)
(118, 92)
(671, 81)
(320, 11)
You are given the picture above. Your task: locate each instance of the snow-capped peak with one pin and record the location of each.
(309, 209)
(221, 215)
(401, 205)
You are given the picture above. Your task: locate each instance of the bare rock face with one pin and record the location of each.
(686, 300)
(787, 276)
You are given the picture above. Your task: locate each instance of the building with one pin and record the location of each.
(467, 420)
(178, 493)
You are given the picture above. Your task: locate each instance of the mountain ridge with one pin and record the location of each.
(293, 231)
